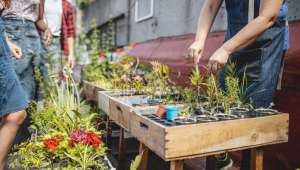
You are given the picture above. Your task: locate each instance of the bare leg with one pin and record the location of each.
(8, 130)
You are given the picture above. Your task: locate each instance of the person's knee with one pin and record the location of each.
(16, 118)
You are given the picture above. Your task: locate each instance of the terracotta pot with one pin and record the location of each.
(161, 112)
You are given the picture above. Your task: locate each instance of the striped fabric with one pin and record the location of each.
(68, 26)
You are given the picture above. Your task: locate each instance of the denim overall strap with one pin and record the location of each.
(261, 60)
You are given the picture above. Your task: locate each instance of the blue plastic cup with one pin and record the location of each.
(172, 113)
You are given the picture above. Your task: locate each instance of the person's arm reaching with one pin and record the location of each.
(70, 33)
(207, 16)
(269, 10)
(42, 26)
(71, 58)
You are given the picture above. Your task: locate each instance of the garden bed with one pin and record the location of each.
(119, 105)
(172, 141)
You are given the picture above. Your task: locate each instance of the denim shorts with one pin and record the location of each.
(24, 34)
(12, 95)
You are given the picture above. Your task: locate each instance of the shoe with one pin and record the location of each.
(225, 163)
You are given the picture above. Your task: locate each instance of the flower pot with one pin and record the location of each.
(172, 113)
(185, 121)
(161, 112)
(240, 112)
(222, 116)
(266, 112)
(206, 118)
(154, 101)
(201, 111)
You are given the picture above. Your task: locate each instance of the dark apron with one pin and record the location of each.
(260, 61)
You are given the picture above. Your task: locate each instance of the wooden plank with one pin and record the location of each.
(144, 150)
(226, 135)
(121, 158)
(121, 109)
(103, 101)
(120, 113)
(149, 133)
(176, 165)
(257, 159)
(90, 91)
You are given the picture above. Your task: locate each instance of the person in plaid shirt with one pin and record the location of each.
(59, 18)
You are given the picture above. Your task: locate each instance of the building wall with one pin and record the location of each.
(171, 18)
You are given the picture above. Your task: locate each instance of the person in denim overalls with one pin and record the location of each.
(13, 99)
(254, 42)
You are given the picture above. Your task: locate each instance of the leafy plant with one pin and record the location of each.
(136, 162)
(64, 131)
(196, 81)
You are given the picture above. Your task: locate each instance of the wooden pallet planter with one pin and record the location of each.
(90, 91)
(206, 139)
(119, 108)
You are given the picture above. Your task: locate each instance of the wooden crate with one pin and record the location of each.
(103, 100)
(90, 91)
(120, 108)
(188, 141)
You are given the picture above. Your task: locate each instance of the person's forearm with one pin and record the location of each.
(207, 16)
(254, 28)
(71, 45)
(41, 9)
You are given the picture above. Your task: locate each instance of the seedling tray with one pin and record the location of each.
(119, 107)
(173, 142)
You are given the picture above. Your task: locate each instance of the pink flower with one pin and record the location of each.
(138, 78)
(77, 135)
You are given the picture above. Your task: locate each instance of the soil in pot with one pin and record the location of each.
(223, 116)
(206, 118)
(153, 102)
(266, 112)
(201, 111)
(240, 112)
(185, 121)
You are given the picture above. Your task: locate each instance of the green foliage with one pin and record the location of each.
(158, 82)
(196, 80)
(63, 112)
(136, 162)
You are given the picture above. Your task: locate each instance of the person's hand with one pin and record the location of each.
(15, 50)
(71, 61)
(195, 51)
(218, 59)
(47, 37)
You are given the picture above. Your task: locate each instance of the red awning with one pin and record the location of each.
(173, 51)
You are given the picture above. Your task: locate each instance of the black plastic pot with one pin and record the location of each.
(240, 112)
(206, 118)
(185, 121)
(223, 116)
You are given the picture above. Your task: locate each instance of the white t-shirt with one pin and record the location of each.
(53, 16)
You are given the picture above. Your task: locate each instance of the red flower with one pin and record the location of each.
(122, 62)
(102, 54)
(118, 50)
(72, 142)
(92, 139)
(51, 143)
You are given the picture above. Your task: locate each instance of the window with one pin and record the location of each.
(144, 9)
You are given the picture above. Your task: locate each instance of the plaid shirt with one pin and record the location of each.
(68, 26)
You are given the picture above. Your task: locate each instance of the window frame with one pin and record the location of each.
(146, 17)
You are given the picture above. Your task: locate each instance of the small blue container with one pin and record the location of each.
(172, 113)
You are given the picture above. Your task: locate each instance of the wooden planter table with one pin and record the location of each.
(177, 143)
